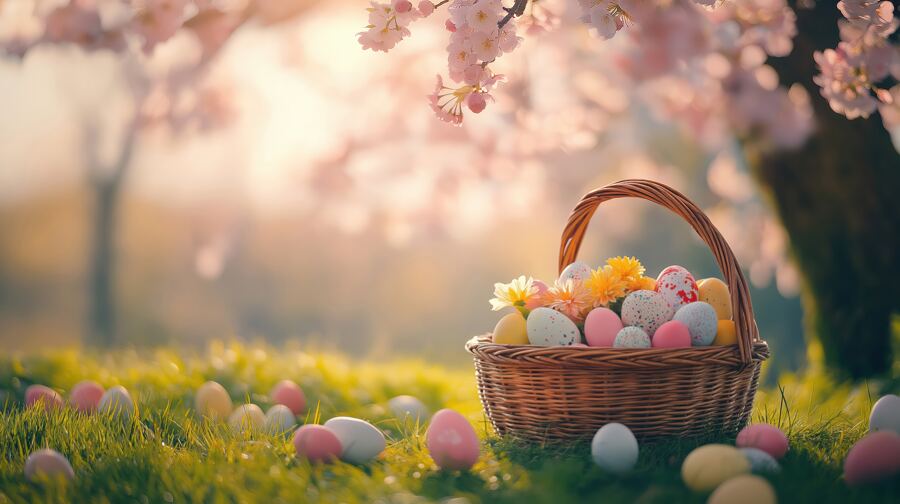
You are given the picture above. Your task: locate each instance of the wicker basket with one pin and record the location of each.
(565, 393)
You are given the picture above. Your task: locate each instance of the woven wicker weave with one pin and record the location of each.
(565, 393)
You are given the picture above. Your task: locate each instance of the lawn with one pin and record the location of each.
(170, 455)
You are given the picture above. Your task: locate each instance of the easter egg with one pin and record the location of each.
(409, 407)
(601, 327)
(317, 443)
(614, 448)
(548, 327)
(537, 301)
(279, 419)
(715, 292)
(767, 438)
(577, 271)
(700, 319)
(49, 464)
(886, 414)
(510, 330)
(212, 400)
(85, 396)
(43, 396)
(247, 417)
(672, 334)
(726, 333)
(873, 458)
(117, 402)
(760, 461)
(632, 337)
(677, 286)
(361, 441)
(708, 466)
(290, 394)
(646, 309)
(744, 489)
(451, 441)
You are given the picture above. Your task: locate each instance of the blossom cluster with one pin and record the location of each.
(850, 75)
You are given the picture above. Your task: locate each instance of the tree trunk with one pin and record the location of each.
(838, 200)
(102, 262)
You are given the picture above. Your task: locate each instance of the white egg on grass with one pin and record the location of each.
(48, 464)
(213, 401)
(409, 407)
(760, 461)
(360, 440)
(885, 414)
(247, 417)
(280, 419)
(548, 327)
(614, 448)
(117, 402)
(577, 271)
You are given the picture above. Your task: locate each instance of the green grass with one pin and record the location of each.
(170, 455)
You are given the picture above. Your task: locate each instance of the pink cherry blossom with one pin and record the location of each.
(476, 102)
(426, 8)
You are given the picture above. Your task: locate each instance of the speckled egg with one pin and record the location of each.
(873, 458)
(117, 402)
(672, 334)
(700, 318)
(48, 464)
(715, 292)
(451, 441)
(646, 309)
(760, 461)
(361, 441)
(677, 286)
(726, 333)
(577, 271)
(511, 330)
(212, 400)
(548, 327)
(767, 438)
(601, 327)
(43, 396)
(317, 443)
(614, 448)
(708, 466)
(85, 396)
(744, 489)
(408, 407)
(537, 301)
(280, 419)
(290, 394)
(886, 414)
(632, 337)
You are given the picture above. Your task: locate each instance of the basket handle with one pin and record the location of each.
(663, 195)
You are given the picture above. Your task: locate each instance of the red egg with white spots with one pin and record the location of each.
(677, 287)
(43, 396)
(85, 396)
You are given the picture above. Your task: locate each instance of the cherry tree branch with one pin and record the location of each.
(517, 9)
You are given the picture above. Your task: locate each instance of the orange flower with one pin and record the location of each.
(642, 283)
(605, 286)
(628, 268)
(570, 298)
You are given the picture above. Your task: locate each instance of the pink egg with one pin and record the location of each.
(672, 334)
(765, 437)
(49, 464)
(677, 286)
(317, 443)
(289, 394)
(601, 326)
(874, 457)
(44, 396)
(85, 396)
(451, 441)
(537, 301)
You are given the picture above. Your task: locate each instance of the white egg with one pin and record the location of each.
(760, 461)
(614, 448)
(407, 406)
(47, 463)
(700, 318)
(886, 414)
(646, 309)
(247, 417)
(361, 441)
(577, 271)
(117, 402)
(280, 419)
(548, 327)
(632, 337)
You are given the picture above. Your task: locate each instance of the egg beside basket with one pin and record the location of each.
(561, 393)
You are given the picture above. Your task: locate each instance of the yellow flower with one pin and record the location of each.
(643, 283)
(570, 298)
(628, 268)
(516, 293)
(605, 286)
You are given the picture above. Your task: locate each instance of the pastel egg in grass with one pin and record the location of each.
(44, 397)
(213, 401)
(726, 333)
(451, 441)
(700, 318)
(632, 337)
(614, 448)
(247, 417)
(511, 330)
(672, 334)
(646, 309)
(744, 489)
(407, 407)
(360, 440)
(48, 464)
(280, 419)
(577, 271)
(601, 327)
(765, 437)
(760, 461)
(885, 414)
(677, 286)
(548, 327)
(117, 402)
(715, 292)
(708, 466)
(873, 458)
(85, 396)
(289, 394)
(317, 443)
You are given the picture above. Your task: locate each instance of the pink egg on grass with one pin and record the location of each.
(317, 443)
(765, 437)
(85, 396)
(289, 394)
(873, 458)
(451, 441)
(43, 396)
(48, 464)
(672, 334)
(601, 327)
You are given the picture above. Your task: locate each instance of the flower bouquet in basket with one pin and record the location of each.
(667, 356)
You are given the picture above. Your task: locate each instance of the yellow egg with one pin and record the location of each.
(715, 292)
(708, 466)
(726, 334)
(510, 330)
(212, 400)
(745, 489)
